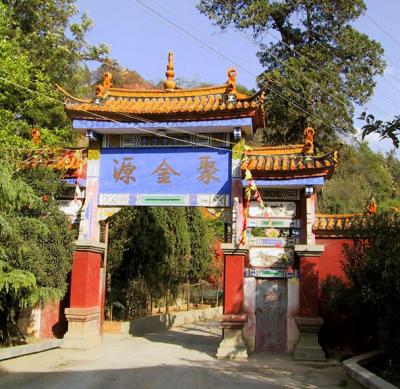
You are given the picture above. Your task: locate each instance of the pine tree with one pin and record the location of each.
(320, 66)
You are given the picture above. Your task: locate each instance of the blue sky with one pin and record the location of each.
(140, 41)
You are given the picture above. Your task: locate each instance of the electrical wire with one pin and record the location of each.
(91, 113)
(316, 66)
(229, 60)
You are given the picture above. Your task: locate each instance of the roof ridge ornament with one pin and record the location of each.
(371, 207)
(308, 148)
(170, 83)
(231, 82)
(106, 84)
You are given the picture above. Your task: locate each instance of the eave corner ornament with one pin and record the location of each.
(106, 84)
(231, 82)
(308, 141)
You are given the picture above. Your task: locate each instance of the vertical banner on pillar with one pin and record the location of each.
(89, 228)
(165, 177)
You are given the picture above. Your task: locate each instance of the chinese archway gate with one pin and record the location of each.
(173, 147)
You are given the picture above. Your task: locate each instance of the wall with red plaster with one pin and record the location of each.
(53, 323)
(330, 262)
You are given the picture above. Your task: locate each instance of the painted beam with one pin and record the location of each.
(294, 182)
(195, 126)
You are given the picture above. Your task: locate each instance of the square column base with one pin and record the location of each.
(308, 348)
(83, 328)
(233, 345)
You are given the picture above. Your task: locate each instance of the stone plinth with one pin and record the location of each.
(233, 345)
(83, 327)
(308, 347)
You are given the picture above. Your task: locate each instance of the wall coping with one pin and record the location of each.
(363, 376)
(19, 351)
(232, 249)
(90, 245)
(310, 250)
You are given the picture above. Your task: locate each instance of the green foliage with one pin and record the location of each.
(362, 174)
(327, 64)
(372, 290)
(153, 250)
(200, 241)
(386, 130)
(35, 243)
(375, 271)
(36, 51)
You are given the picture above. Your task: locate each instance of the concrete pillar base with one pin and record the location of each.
(308, 348)
(83, 328)
(233, 345)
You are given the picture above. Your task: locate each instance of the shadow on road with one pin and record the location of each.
(158, 377)
(203, 337)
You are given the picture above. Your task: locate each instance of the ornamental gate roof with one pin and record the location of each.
(341, 224)
(169, 104)
(292, 161)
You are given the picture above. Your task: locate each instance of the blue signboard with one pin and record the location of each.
(165, 176)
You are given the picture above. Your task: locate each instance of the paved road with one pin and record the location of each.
(180, 358)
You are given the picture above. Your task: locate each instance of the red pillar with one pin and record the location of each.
(85, 286)
(233, 319)
(308, 321)
(309, 288)
(233, 284)
(84, 313)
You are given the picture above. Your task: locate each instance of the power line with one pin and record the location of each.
(116, 121)
(316, 66)
(227, 59)
(383, 30)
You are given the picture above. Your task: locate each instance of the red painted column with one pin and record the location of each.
(85, 277)
(308, 322)
(234, 318)
(233, 284)
(84, 313)
(309, 286)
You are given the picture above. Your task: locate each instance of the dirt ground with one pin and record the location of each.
(179, 358)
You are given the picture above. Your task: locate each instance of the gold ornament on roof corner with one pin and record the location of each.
(169, 83)
(231, 82)
(36, 136)
(308, 141)
(371, 207)
(106, 84)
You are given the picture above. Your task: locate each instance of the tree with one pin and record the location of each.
(371, 290)
(35, 243)
(36, 51)
(153, 251)
(361, 174)
(386, 130)
(200, 245)
(320, 63)
(56, 45)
